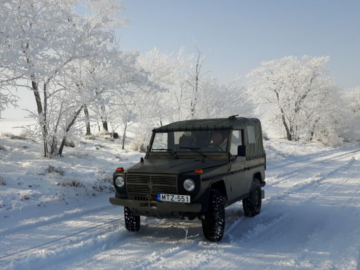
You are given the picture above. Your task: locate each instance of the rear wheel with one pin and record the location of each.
(214, 223)
(132, 222)
(252, 204)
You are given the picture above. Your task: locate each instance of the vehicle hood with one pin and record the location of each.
(173, 166)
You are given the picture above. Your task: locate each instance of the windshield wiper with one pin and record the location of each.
(195, 149)
(168, 150)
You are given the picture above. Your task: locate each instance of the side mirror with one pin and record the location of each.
(242, 151)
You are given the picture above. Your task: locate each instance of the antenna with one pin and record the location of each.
(233, 117)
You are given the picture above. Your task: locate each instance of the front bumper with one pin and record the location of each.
(157, 206)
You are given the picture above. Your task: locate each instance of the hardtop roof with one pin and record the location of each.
(209, 124)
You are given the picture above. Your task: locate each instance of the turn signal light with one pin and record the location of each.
(199, 171)
(121, 169)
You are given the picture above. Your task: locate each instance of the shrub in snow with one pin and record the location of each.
(25, 198)
(138, 143)
(71, 183)
(99, 146)
(115, 135)
(69, 143)
(6, 134)
(2, 148)
(90, 137)
(79, 155)
(103, 133)
(2, 182)
(109, 139)
(24, 134)
(103, 188)
(14, 137)
(105, 177)
(51, 169)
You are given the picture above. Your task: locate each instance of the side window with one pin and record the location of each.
(236, 140)
(251, 134)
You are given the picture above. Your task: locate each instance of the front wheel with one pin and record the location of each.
(252, 204)
(132, 222)
(214, 223)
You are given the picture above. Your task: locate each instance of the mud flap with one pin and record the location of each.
(262, 194)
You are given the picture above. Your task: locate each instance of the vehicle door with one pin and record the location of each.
(237, 167)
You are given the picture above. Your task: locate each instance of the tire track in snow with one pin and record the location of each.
(65, 248)
(166, 256)
(300, 170)
(310, 182)
(45, 221)
(44, 245)
(324, 156)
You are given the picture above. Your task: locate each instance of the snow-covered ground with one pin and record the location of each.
(60, 218)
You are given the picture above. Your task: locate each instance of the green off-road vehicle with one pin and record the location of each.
(194, 169)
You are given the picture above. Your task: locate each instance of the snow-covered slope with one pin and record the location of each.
(33, 185)
(310, 217)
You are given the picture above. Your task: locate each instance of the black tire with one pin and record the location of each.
(252, 204)
(214, 223)
(132, 222)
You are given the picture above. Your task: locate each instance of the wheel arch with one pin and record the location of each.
(260, 176)
(220, 186)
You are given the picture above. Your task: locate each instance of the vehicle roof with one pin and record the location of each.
(209, 124)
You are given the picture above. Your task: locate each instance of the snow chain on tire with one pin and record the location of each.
(132, 222)
(252, 204)
(214, 223)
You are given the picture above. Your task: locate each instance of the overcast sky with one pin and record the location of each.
(241, 34)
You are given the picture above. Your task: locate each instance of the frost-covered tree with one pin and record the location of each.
(294, 91)
(44, 41)
(350, 114)
(7, 98)
(195, 80)
(168, 74)
(216, 100)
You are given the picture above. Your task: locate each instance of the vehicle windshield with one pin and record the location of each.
(191, 141)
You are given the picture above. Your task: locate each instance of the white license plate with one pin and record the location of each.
(173, 198)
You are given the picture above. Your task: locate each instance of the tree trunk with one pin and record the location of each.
(283, 118)
(196, 88)
(39, 106)
(67, 130)
(312, 131)
(105, 126)
(196, 85)
(288, 133)
(104, 120)
(42, 118)
(124, 137)
(87, 120)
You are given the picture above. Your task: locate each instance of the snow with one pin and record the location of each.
(309, 220)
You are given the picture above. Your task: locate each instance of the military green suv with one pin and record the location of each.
(194, 169)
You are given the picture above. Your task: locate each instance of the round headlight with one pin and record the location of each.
(189, 185)
(119, 181)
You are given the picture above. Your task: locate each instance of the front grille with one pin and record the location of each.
(151, 184)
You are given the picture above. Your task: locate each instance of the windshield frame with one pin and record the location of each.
(189, 152)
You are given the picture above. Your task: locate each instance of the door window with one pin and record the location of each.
(236, 140)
